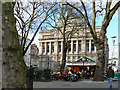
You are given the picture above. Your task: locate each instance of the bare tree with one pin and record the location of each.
(63, 20)
(13, 67)
(30, 17)
(107, 11)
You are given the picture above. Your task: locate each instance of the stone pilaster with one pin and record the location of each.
(89, 46)
(40, 48)
(83, 46)
(45, 47)
(50, 48)
(56, 50)
(77, 46)
(95, 49)
(72, 47)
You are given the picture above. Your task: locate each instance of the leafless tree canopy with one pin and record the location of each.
(30, 17)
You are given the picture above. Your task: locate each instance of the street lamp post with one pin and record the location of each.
(83, 59)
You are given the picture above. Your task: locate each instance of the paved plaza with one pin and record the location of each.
(78, 84)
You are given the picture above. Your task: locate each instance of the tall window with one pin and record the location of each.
(31, 60)
(37, 61)
(79, 45)
(69, 49)
(48, 46)
(52, 64)
(59, 46)
(74, 57)
(48, 62)
(69, 58)
(79, 57)
(52, 46)
(52, 58)
(114, 62)
(43, 58)
(74, 46)
(87, 45)
(93, 57)
(43, 47)
(92, 45)
(59, 58)
(42, 64)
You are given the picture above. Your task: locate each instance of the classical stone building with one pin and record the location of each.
(51, 46)
(31, 56)
(34, 55)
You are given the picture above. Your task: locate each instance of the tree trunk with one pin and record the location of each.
(63, 55)
(63, 60)
(100, 63)
(13, 66)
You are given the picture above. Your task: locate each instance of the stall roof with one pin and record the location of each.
(85, 58)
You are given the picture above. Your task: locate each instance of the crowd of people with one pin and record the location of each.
(71, 75)
(68, 75)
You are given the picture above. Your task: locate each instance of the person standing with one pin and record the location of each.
(110, 76)
(92, 73)
(30, 78)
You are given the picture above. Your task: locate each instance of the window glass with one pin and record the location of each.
(74, 46)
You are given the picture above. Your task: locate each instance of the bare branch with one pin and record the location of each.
(47, 15)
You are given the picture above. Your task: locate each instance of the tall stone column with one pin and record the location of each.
(72, 47)
(83, 46)
(56, 49)
(94, 48)
(45, 47)
(50, 48)
(89, 46)
(40, 48)
(77, 46)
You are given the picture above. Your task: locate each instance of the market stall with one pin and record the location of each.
(82, 63)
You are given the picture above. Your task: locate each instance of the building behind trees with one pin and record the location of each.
(81, 44)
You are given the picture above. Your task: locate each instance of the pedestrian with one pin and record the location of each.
(52, 74)
(78, 76)
(88, 74)
(30, 77)
(85, 75)
(80, 72)
(92, 74)
(63, 75)
(110, 76)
